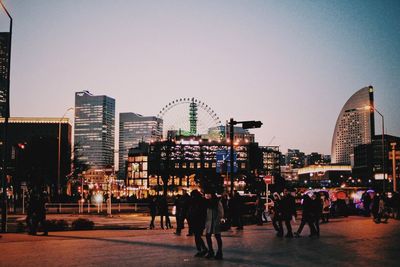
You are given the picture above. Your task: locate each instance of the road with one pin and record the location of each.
(343, 242)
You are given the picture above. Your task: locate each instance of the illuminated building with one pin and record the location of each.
(188, 163)
(94, 129)
(135, 128)
(354, 126)
(325, 175)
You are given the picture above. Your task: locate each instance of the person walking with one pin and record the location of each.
(326, 205)
(307, 216)
(215, 213)
(288, 210)
(197, 215)
(163, 208)
(366, 200)
(153, 210)
(259, 210)
(179, 214)
(236, 210)
(316, 209)
(186, 203)
(276, 214)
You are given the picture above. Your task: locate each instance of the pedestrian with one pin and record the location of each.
(164, 212)
(228, 218)
(198, 214)
(236, 206)
(215, 213)
(375, 208)
(366, 200)
(259, 210)
(178, 214)
(186, 203)
(326, 204)
(383, 209)
(396, 205)
(288, 211)
(276, 214)
(153, 210)
(316, 210)
(307, 216)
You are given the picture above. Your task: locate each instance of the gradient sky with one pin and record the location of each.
(291, 64)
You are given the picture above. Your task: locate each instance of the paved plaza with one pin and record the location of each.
(343, 242)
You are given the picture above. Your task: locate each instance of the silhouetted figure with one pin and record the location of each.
(153, 210)
(326, 208)
(36, 213)
(186, 203)
(228, 218)
(178, 203)
(276, 214)
(316, 209)
(288, 210)
(197, 215)
(236, 207)
(307, 217)
(259, 210)
(366, 200)
(215, 213)
(163, 208)
(396, 205)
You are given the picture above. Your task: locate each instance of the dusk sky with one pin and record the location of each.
(291, 64)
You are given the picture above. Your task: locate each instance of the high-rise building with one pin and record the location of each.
(354, 126)
(134, 128)
(295, 158)
(4, 72)
(94, 129)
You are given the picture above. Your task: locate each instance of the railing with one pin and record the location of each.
(86, 207)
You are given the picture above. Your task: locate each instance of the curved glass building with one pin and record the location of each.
(354, 126)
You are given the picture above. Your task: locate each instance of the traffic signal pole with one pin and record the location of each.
(245, 125)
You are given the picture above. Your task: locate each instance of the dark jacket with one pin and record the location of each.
(198, 213)
(288, 207)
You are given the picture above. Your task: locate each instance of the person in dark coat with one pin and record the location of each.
(186, 203)
(225, 205)
(276, 214)
(366, 200)
(375, 208)
(153, 210)
(316, 209)
(179, 214)
(288, 210)
(259, 210)
(215, 213)
(307, 217)
(163, 208)
(236, 206)
(197, 215)
(37, 212)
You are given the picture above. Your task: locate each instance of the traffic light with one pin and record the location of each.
(251, 124)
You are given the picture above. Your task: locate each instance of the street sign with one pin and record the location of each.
(268, 179)
(223, 161)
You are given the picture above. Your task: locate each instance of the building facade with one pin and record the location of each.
(4, 72)
(94, 130)
(33, 151)
(354, 126)
(135, 128)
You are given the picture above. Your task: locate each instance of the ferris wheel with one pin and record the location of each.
(189, 116)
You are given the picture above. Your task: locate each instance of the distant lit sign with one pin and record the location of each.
(190, 142)
(223, 161)
(378, 176)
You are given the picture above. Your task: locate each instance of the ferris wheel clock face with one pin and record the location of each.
(188, 117)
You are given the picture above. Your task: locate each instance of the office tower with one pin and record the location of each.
(134, 128)
(94, 129)
(354, 126)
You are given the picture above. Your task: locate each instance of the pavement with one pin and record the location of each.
(343, 241)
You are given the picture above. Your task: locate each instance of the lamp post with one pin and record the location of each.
(59, 155)
(6, 117)
(383, 146)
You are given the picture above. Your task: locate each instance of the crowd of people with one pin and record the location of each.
(380, 206)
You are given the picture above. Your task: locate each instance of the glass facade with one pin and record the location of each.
(354, 126)
(94, 129)
(134, 128)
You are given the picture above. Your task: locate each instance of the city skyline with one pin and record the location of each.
(291, 65)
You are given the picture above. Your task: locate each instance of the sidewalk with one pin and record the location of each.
(352, 241)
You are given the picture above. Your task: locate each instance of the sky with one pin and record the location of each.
(290, 64)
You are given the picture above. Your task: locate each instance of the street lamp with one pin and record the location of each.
(59, 154)
(6, 117)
